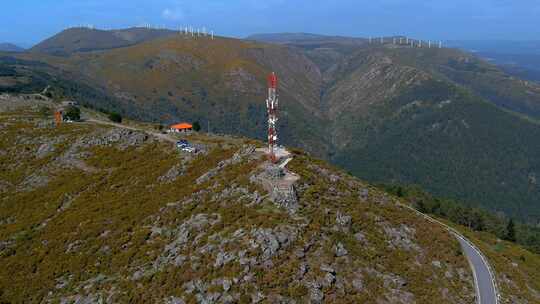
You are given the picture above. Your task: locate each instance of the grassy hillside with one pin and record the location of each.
(221, 82)
(96, 213)
(31, 76)
(435, 117)
(80, 39)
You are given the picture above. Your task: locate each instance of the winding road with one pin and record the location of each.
(485, 287)
(484, 278)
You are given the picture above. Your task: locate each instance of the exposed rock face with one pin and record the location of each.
(124, 138)
(240, 80)
(172, 174)
(285, 197)
(175, 171)
(280, 185)
(180, 237)
(173, 300)
(401, 237)
(247, 152)
(340, 250)
(44, 150)
(33, 181)
(271, 241)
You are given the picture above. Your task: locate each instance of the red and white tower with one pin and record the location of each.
(272, 107)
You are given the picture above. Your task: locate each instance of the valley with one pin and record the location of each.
(439, 118)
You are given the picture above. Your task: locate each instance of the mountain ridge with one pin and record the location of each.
(85, 39)
(349, 104)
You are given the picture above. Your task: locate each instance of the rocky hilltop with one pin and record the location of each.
(93, 212)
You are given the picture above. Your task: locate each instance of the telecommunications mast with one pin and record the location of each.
(272, 107)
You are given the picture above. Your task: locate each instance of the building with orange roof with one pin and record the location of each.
(181, 128)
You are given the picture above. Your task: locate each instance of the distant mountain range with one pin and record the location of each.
(10, 47)
(300, 38)
(444, 119)
(518, 58)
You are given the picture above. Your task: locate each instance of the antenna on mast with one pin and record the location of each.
(272, 107)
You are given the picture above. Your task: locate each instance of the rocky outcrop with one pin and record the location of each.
(247, 151)
(175, 171)
(280, 184)
(400, 237)
(122, 138)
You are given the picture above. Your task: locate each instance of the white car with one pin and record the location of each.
(189, 149)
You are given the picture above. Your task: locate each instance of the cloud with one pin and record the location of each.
(173, 14)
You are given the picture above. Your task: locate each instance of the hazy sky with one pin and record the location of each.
(29, 21)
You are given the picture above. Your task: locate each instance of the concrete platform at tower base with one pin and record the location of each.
(280, 152)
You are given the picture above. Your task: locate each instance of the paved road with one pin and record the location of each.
(485, 283)
(482, 276)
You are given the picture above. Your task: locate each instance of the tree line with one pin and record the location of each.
(474, 218)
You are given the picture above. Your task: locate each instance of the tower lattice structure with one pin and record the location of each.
(272, 108)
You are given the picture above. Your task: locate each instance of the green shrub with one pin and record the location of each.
(45, 111)
(115, 117)
(72, 113)
(196, 126)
